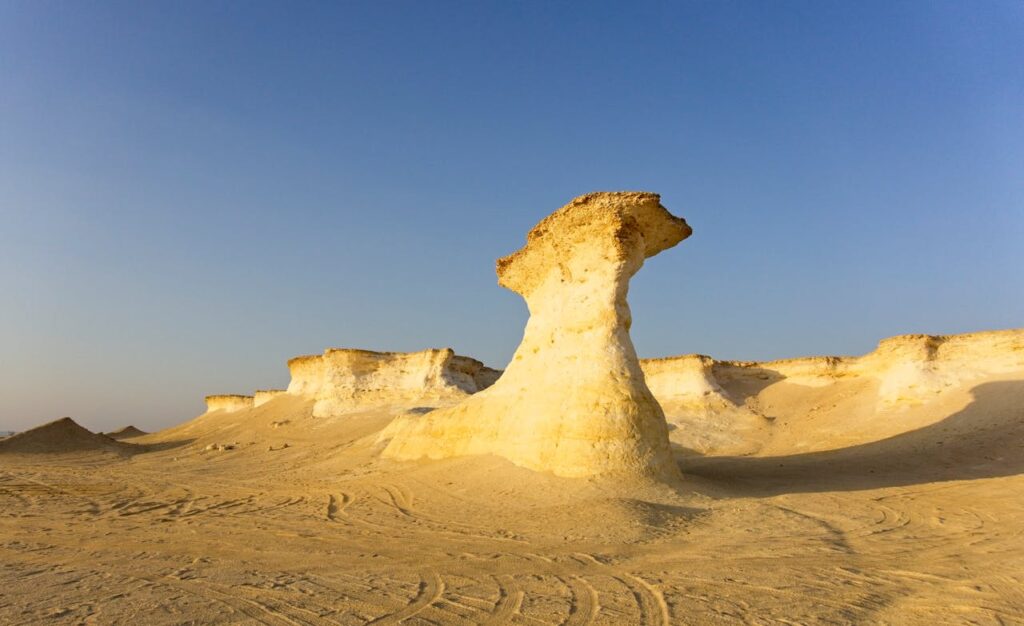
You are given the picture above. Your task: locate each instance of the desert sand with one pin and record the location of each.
(605, 489)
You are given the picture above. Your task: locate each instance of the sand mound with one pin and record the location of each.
(126, 432)
(63, 435)
(573, 401)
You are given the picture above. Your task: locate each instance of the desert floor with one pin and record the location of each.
(922, 526)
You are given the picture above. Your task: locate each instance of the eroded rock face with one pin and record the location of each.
(913, 369)
(342, 380)
(263, 396)
(229, 403)
(702, 416)
(905, 371)
(573, 400)
(808, 404)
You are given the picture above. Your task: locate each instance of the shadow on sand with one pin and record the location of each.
(753, 381)
(984, 440)
(143, 448)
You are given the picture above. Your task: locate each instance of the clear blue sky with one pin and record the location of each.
(191, 193)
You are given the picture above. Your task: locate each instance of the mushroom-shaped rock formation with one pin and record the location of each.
(573, 401)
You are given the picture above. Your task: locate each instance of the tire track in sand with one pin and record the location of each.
(283, 608)
(431, 588)
(585, 605)
(652, 605)
(510, 600)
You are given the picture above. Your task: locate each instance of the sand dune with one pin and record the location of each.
(63, 435)
(126, 432)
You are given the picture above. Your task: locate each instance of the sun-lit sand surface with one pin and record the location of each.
(882, 489)
(827, 523)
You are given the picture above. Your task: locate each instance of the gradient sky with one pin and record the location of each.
(192, 193)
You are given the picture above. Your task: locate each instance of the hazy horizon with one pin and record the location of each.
(192, 193)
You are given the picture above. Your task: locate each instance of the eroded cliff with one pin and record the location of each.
(343, 380)
(228, 403)
(742, 407)
(701, 415)
(263, 396)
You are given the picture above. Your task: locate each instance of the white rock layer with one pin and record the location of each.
(702, 416)
(343, 380)
(228, 403)
(263, 396)
(907, 370)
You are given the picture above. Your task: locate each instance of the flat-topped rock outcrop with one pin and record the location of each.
(914, 368)
(727, 407)
(341, 379)
(263, 396)
(228, 403)
(573, 400)
(910, 369)
(702, 415)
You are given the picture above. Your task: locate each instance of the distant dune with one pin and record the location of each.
(127, 432)
(63, 435)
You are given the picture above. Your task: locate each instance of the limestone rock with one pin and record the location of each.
(342, 380)
(228, 403)
(913, 369)
(573, 400)
(263, 396)
(742, 407)
(702, 416)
